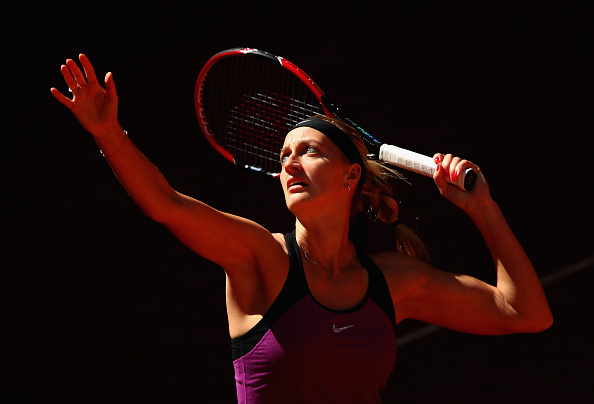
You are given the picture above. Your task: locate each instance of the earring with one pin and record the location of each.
(349, 187)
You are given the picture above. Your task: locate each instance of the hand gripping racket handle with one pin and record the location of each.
(398, 156)
(421, 164)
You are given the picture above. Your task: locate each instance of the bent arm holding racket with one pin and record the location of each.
(252, 256)
(515, 304)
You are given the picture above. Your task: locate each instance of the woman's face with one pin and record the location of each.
(315, 172)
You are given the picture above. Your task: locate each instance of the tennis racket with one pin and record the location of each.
(247, 100)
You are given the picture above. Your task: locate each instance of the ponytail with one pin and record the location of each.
(377, 197)
(408, 242)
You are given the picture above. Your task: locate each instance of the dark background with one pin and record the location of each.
(103, 305)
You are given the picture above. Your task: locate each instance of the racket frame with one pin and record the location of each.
(378, 150)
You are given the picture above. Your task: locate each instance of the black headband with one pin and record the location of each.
(338, 137)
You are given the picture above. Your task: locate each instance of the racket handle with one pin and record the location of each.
(421, 164)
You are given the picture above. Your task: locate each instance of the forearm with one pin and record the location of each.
(517, 280)
(142, 180)
(96, 109)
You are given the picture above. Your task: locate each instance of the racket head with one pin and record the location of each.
(246, 102)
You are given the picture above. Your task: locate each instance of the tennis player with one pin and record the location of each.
(311, 314)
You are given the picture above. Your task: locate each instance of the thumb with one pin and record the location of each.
(110, 86)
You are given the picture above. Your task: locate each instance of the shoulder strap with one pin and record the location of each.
(295, 286)
(378, 288)
(294, 252)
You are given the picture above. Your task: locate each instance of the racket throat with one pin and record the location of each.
(373, 145)
(255, 169)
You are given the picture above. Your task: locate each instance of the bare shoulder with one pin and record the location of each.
(264, 270)
(403, 273)
(252, 289)
(280, 239)
(273, 254)
(393, 263)
(273, 264)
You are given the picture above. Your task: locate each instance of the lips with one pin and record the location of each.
(294, 184)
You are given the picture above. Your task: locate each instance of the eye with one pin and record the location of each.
(283, 158)
(302, 151)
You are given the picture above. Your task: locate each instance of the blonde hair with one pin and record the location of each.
(376, 197)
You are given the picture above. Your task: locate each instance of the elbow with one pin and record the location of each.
(155, 214)
(545, 319)
(163, 210)
(530, 322)
(545, 323)
(542, 323)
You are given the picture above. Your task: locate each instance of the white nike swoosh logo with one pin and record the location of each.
(340, 329)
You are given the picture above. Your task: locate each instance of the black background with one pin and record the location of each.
(103, 305)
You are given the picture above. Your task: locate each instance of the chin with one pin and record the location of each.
(297, 202)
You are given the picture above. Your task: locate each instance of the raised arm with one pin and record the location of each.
(227, 240)
(517, 302)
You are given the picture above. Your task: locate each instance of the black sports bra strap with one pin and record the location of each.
(378, 288)
(295, 286)
(294, 252)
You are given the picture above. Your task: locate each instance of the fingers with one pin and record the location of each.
(67, 102)
(75, 79)
(76, 72)
(452, 166)
(440, 175)
(451, 170)
(72, 76)
(89, 70)
(68, 78)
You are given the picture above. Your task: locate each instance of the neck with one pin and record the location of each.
(328, 247)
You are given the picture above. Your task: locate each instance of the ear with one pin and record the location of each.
(353, 175)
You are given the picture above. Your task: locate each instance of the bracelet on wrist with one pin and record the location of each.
(118, 149)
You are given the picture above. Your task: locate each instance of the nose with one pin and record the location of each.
(291, 163)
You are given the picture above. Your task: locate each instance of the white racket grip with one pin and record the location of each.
(407, 159)
(421, 164)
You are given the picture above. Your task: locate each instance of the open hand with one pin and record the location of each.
(95, 108)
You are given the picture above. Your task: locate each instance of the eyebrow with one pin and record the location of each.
(307, 141)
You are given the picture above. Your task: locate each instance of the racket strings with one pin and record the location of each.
(252, 103)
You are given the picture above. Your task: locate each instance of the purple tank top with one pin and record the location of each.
(303, 352)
